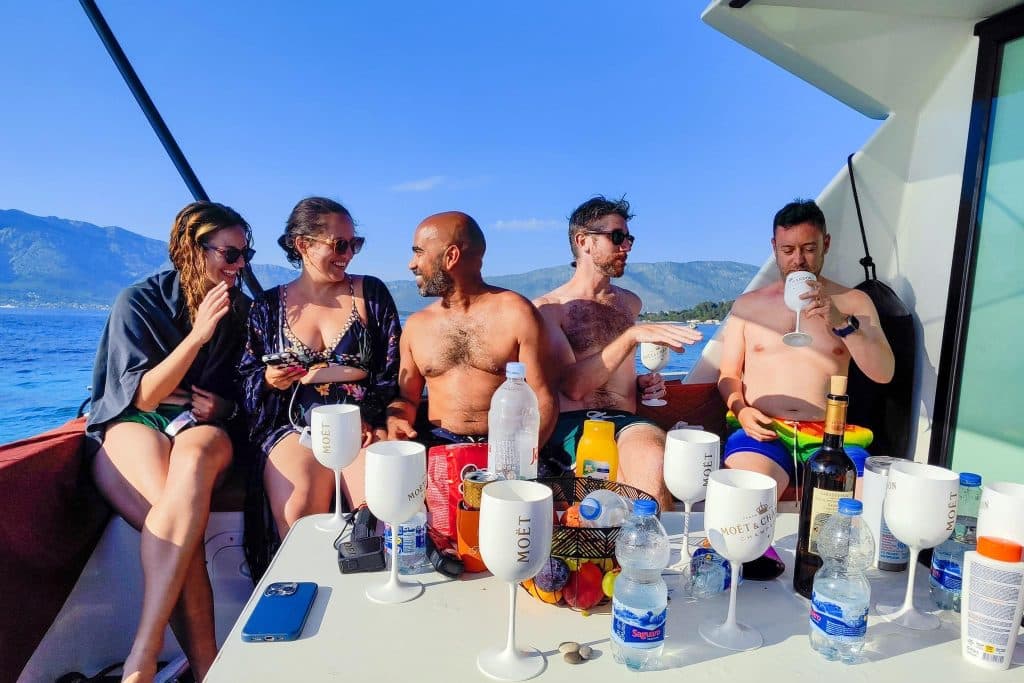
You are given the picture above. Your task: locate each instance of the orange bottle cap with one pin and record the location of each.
(1000, 548)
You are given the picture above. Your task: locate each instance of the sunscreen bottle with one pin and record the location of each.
(991, 602)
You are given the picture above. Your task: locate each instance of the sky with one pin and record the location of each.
(512, 112)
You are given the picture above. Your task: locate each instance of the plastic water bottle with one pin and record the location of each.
(710, 573)
(640, 600)
(513, 426)
(946, 574)
(841, 593)
(604, 508)
(412, 545)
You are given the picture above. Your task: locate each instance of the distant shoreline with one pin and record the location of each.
(53, 306)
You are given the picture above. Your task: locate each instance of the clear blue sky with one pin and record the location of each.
(512, 112)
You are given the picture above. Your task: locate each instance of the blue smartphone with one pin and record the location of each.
(280, 612)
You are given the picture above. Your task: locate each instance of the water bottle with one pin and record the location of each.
(604, 508)
(946, 575)
(710, 573)
(841, 593)
(640, 600)
(412, 545)
(513, 426)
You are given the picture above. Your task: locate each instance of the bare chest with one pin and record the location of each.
(591, 325)
(764, 341)
(459, 344)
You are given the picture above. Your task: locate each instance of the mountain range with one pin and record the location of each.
(49, 261)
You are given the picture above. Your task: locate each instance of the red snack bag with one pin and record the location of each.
(446, 466)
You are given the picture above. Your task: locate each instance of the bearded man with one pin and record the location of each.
(594, 333)
(457, 347)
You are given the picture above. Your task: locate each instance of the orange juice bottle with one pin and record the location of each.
(597, 455)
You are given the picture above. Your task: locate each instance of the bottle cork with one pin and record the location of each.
(837, 385)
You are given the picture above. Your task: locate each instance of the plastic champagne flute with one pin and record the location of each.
(691, 455)
(920, 510)
(396, 480)
(796, 285)
(515, 542)
(336, 433)
(739, 516)
(654, 357)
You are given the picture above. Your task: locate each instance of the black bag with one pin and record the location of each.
(886, 408)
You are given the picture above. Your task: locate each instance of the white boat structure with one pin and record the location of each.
(940, 191)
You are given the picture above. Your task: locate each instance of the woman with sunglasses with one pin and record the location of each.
(347, 328)
(164, 388)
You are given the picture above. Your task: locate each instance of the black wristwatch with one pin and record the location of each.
(852, 325)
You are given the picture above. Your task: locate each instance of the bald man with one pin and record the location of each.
(458, 346)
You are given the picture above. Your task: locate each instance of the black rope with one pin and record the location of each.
(156, 121)
(866, 262)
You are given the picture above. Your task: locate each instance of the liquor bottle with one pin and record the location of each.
(829, 476)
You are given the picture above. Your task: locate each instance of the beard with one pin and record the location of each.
(438, 284)
(612, 267)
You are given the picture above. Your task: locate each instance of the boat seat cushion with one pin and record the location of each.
(53, 517)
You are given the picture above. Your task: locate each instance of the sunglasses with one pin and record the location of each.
(616, 236)
(232, 254)
(340, 246)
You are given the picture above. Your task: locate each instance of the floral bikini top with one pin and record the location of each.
(331, 352)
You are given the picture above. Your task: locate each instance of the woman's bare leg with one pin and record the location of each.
(166, 492)
(297, 485)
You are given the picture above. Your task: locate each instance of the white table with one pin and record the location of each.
(437, 636)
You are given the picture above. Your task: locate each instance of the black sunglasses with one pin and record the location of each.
(616, 236)
(232, 254)
(340, 246)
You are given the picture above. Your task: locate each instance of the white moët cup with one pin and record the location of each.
(1001, 511)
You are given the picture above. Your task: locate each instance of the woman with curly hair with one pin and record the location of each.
(164, 389)
(347, 328)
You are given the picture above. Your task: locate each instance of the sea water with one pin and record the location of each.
(49, 356)
(48, 360)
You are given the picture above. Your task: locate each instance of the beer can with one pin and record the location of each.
(473, 485)
(891, 554)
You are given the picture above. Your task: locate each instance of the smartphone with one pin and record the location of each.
(278, 359)
(286, 358)
(280, 612)
(184, 420)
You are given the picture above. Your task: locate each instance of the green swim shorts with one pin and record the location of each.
(558, 457)
(155, 419)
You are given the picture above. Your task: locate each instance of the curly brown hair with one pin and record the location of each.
(191, 229)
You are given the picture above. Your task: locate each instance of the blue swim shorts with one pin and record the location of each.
(778, 452)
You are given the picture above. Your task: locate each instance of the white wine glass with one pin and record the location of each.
(654, 357)
(336, 432)
(920, 510)
(796, 285)
(691, 455)
(739, 516)
(396, 480)
(515, 542)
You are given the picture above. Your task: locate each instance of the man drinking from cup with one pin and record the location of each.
(772, 388)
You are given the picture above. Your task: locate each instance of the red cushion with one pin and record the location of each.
(52, 518)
